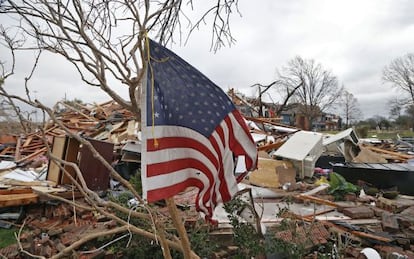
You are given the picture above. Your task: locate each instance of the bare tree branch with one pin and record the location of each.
(400, 73)
(350, 108)
(317, 88)
(104, 41)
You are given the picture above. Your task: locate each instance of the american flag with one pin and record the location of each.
(192, 134)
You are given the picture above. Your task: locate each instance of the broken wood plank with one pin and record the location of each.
(17, 150)
(28, 141)
(15, 191)
(358, 234)
(271, 146)
(18, 199)
(32, 148)
(78, 111)
(54, 172)
(316, 200)
(29, 183)
(33, 155)
(311, 216)
(6, 150)
(397, 154)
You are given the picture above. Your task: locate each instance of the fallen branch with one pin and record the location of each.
(64, 253)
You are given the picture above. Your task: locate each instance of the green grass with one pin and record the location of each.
(7, 236)
(390, 134)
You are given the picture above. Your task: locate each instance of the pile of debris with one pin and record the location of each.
(27, 175)
(374, 209)
(295, 182)
(53, 228)
(108, 121)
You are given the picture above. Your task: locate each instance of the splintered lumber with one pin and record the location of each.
(395, 154)
(359, 234)
(8, 200)
(33, 155)
(78, 111)
(6, 150)
(15, 191)
(28, 140)
(271, 146)
(311, 216)
(316, 200)
(17, 151)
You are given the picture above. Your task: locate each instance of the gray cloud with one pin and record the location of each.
(354, 39)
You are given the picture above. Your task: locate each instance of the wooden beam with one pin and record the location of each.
(18, 199)
(271, 146)
(317, 200)
(397, 154)
(33, 155)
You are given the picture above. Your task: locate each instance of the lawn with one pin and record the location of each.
(383, 134)
(7, 236)
(390, 134)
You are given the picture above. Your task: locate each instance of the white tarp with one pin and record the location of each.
(21, 175)
(303, 148)
(346, 134)
(300, 145)
(7, 165)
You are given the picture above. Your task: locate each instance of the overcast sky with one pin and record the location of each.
(354, 39)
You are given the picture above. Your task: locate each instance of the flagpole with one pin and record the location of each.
(143, 112)
(179, 225)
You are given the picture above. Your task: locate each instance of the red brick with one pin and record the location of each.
(389, 222)
(62, 211)
(362, 212)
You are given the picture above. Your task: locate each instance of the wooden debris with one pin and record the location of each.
(267, 175)
(17, 199)
(396, 155)
(316, 200)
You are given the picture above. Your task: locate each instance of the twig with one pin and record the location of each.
(21, 249)
(105, 245)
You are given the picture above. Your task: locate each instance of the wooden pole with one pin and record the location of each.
(178, 224)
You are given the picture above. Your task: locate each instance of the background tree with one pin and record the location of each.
(404, 122)
(287, 91)
(104, 41)
(409, 112)
(318, 89)
(381, 123)
(400, 73)
(403, 117)
(350, 108)
(262, 89)
(377, 122)
(396, 107)
(10, 114)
